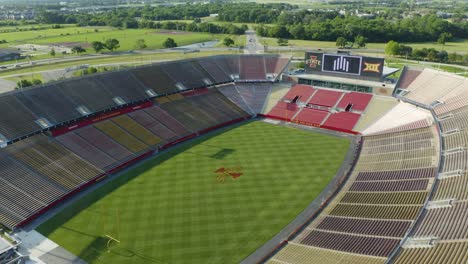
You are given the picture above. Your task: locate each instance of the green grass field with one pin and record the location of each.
(174, 209)
(127, 37)
(33, 36)
(83, 36)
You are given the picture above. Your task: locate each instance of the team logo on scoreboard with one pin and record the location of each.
(313, 61)
(371, 67)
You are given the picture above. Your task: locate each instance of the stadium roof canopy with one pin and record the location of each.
(345, 80)
(4, 52)
(4, 245)
(389, 71)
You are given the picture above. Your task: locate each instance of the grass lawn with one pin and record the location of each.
(127, 37)
(83, 36)
(239, 40)
(173, 209)
(454, 46)
(35, 36)
(399, 63)
(26, 27)
(299, 43)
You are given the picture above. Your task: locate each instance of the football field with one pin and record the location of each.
(215, 199)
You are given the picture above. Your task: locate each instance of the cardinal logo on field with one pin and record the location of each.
(371, 67)
(313, 61)
(225, 173)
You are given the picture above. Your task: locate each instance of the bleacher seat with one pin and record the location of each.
(326, 98)
(312, 116)
(342, 120)
(359, 101)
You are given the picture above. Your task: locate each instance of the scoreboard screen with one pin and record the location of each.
(343, 64)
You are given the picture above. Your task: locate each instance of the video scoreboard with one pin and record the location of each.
(343, 64)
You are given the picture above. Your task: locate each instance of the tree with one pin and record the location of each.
(405, 50)
(261, 31)
(89, 70)
(52, 52)
(297, 32)
(26, 83)
(465, 59)
(97, 46)
(169, 43)
(279, 31)
(341, 42)
(454, 57)
(419, 53)
(228, 42)
(282, 42)
(433, 54)
(130, 23)
(140, 44)
(78, 49)
(112, 44)
(360, 41)
(442, 56)
(36, 81)
(444, 37)
(392, 48)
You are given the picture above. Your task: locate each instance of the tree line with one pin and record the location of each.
(195, 27)
(123, 19)
(415, 29)
(275, 20)
(425, 54)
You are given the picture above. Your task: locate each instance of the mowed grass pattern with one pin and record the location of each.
(172, 209)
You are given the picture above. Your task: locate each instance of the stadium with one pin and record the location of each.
(228, 159)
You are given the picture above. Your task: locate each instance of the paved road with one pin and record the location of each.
(207, 44)
(53, 75)
(6, 85)
(253, 45)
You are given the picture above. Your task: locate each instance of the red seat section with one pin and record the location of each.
(325, 98)
(284, 110)
(311, 116)
(358, 100)
(342, 120)
(303, 91)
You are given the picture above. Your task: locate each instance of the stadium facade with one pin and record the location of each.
(405, 196)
